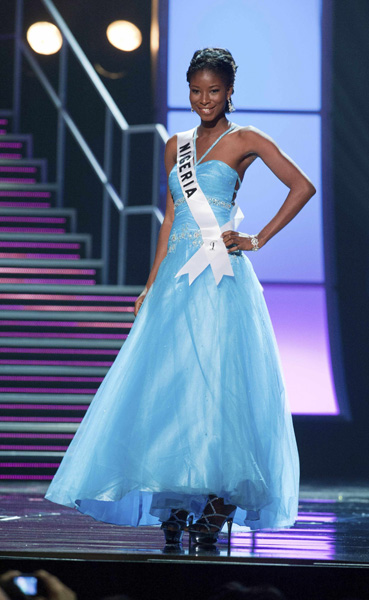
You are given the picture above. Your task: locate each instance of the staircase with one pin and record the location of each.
(60, 329)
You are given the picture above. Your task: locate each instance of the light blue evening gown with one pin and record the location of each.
(195, 401)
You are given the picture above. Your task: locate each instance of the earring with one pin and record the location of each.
(231, 108)
(192, 110)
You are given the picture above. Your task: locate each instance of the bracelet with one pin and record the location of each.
(143, 293)
(255, 242)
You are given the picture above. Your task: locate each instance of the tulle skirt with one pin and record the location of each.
(194, 404)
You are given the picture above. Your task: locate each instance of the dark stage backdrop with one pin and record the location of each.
(340, 449)
(132, 92)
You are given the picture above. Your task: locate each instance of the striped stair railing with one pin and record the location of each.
(60, 329)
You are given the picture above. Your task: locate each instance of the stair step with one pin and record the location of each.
(4, 125)
(21, 449)
(46, 371)
(95, 263)
(37, 220)
(100, 292)
(96, 317)
(47, 243)
(58, 338)
(61, 344)
(56, 355)
(35, 426)
(16, 146)
(20, 194)
(12, 455)
(36, 168)
(49, 308)
(44, 271)
(34, 440)
(47, 398)
(42, 412)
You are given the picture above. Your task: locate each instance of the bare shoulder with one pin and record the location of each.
(171, 145)
(170, 156)
(253, 140)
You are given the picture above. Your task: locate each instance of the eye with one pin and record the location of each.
(194, 91)
(215, 91)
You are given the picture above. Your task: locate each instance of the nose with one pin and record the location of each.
(204, 99)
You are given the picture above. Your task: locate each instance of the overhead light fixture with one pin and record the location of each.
(124, 35)
(44, 38)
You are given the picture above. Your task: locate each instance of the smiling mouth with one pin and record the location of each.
(206, 110)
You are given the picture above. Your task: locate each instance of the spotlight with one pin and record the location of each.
(44, 38)
(124, 35)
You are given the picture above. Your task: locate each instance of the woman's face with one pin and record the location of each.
(208, 94)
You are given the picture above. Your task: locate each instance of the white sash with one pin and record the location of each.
(213, 252)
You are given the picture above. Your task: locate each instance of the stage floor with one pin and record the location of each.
(332, 528)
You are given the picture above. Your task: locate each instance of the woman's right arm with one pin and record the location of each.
(161, 248)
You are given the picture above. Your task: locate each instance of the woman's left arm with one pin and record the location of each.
(301, 188)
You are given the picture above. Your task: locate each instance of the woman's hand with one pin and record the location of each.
(139, 301)
(54, 588)
(239, 241)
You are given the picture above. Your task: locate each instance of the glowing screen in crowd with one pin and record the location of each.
(277, 46)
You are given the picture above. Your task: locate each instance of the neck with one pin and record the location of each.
(211, 127)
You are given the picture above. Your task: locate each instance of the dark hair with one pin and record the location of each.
(218, 60)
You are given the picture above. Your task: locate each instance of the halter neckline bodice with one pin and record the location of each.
(197, 162)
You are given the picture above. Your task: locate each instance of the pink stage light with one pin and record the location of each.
(81, 297)
(42, 390)
(30, 447)
(40, 419)
(44, 406)
(24, 193)
(59, 351)
(25, 204)
(39, 256)
(25, 219)
(48, 307)
(11, 156)
(26, 477)
(60, 363)
(18, 170)
(17, 180)
(11, 145)
(63, 378)
(66, 324)
(41, 436)
(48, 281)
(299, 317)
(32, 465)
(47, 271)
(81, 336)
(31, 230)
(61, 245)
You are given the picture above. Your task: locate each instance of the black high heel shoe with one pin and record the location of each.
(205, 531)
(174, 527)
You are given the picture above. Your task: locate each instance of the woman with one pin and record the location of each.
(192, 419)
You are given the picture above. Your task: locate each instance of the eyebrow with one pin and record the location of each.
(210, 86)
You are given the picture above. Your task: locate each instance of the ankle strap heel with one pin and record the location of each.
(206, 530)
(174, 527)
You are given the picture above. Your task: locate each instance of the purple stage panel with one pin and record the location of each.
(299, 317)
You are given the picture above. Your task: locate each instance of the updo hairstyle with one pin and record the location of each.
(218, 60)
